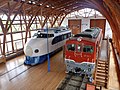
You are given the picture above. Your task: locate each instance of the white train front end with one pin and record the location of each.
(36, 49)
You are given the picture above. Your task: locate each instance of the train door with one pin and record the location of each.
(78, 53)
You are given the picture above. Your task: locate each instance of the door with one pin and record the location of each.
(101, 23)
(78, 53)
(75, 26)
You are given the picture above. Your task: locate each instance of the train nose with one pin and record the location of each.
(28, 51)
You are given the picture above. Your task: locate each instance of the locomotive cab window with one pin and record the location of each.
(71, 47)
(44, 35)
(65, 37)
(88, 49)
(69, 34)
(57, 39)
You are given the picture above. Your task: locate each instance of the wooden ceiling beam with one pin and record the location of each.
(37, 5)
(45, 20)
(116, 19)
(7, 27)
(54, 10)
(3, 3)
(55, 20)
(2, 25)
(114, 27)
(73, 6)
(62, 20)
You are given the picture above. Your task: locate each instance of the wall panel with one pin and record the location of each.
(75, 25)
(101, 23)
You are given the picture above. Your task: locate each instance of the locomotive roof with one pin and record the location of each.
(90, 33)
(83, 39)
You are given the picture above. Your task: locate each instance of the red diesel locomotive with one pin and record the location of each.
(81, 51)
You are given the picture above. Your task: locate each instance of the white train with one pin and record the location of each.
(36, 49)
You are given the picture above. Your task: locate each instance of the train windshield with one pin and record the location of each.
(80, 48)
(43, 35)
(88, 49)
(71, 47)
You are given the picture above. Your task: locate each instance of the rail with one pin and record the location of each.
(15, 68)
(74, 81)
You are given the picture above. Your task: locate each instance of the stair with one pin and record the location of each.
(102, 65)
(102, 73)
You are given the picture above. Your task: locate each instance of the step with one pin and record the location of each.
(101, 62)
(100, 84)
(100, 71)
(101, 75)
(102, 68)
(101, 79)
(101, 65)
(105, 69)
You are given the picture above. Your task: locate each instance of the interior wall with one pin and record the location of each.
(108, 31)
(75, 25)
(85, 23)
(101, 23)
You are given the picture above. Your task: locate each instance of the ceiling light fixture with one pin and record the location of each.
(41, 4)
(53, 7)
(47, 6)
(33, 2)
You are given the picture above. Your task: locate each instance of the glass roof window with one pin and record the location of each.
(86, 12)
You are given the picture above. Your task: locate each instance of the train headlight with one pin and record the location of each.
(79, 39)
(28, 51)
(36, 51)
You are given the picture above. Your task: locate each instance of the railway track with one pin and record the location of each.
(11, 70)
(73, 82)
(17, 67)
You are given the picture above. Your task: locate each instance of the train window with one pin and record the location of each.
(57, 39)
(71, 47)
(44, 35)
(56, 31)
(88, 49)
(60, 38)
(79, 48)
(64, 37)
(69, 34)
(35, 34)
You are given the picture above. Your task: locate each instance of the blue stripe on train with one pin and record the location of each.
(37, 60)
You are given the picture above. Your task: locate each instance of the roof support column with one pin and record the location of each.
(45, 20)
(8, 26)
(55, 20)
(114, 7)
(59, 24)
